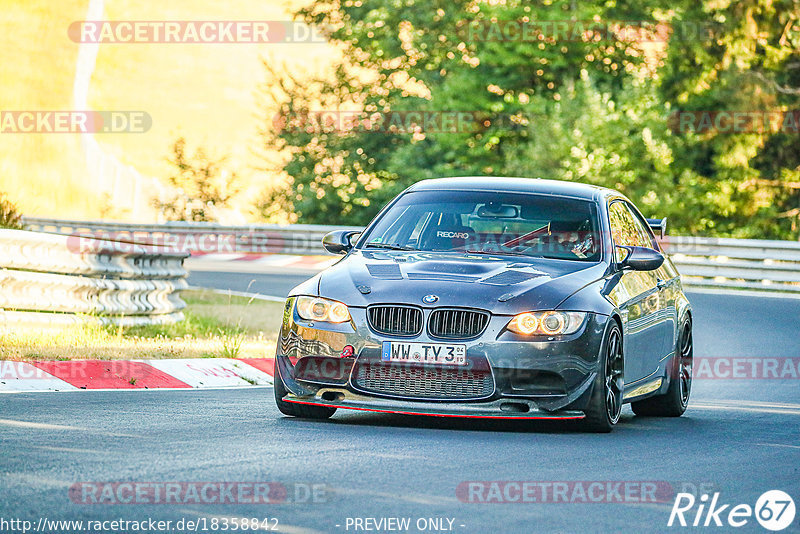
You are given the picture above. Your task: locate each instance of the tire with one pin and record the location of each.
(674, 402)
(605, 405)
(305, 411)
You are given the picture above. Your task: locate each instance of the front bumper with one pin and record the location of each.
(497, 409)
(533, 379)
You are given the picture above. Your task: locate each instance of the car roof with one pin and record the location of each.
(515, 185)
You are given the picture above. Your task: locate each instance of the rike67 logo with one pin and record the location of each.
(774, 510)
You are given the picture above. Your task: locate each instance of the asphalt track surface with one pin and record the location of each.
(739, 438)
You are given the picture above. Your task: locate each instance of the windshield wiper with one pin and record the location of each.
(388, 246)
(498, 252)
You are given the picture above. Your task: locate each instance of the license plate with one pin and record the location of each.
(435, 353)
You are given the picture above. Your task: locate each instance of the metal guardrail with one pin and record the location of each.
(739, 264)
(57, 279)
(200, 238)
(744, 264)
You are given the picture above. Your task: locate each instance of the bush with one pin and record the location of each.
(9, 216)
(202, 184)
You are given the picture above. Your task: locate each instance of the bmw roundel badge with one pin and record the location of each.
(429, 299)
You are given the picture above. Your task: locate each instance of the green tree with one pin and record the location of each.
(10, 217)
(622, 144)
(431, 56)
(746, 58)
(575, 106)
(202, 185)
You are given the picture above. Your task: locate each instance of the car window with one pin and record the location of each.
(644, 229)
(641, 231)
(401, 227)
(625, 228)
(491, 222)
(413, 238)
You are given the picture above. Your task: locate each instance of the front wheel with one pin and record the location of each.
(605, 406)
(296, 410)
(674, 402)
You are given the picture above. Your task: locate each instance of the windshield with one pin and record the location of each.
(489, 223)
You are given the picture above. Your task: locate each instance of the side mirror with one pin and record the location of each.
(338, 241)
(642, 259)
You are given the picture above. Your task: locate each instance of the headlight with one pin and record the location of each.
(546, 323)
(320, 309)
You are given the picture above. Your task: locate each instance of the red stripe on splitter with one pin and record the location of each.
(113, 374)
(262, 364)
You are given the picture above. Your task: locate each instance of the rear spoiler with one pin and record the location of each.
(659, 227)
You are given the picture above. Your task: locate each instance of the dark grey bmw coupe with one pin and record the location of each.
(507, 298)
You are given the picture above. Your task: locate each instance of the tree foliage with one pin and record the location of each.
(580, 105)
(201, 183)
(10, 217)
(747, 60)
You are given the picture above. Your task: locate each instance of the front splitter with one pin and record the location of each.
(498, 409)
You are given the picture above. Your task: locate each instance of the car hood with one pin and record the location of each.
(502, 284)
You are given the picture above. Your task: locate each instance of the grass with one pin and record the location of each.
(216, 325)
